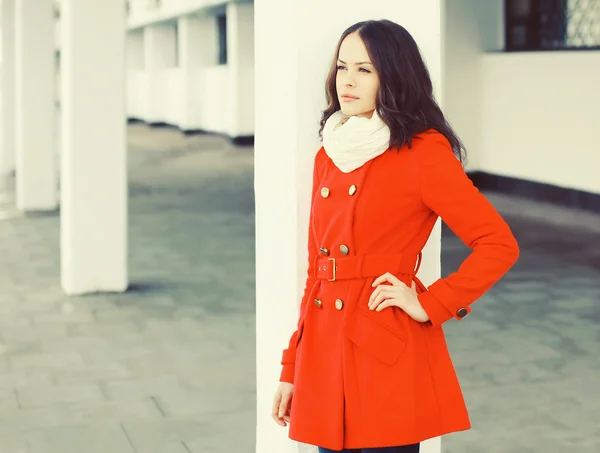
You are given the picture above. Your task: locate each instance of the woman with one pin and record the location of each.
(368, 366)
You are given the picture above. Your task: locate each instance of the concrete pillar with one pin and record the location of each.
(7, 130)
(293, 54)
(240, 53)
(135, 50)
(197, 38)
(135, 73)
(35, 94)
(93, 157)
(159, 54)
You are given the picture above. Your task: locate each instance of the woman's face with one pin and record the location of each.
(357, 81)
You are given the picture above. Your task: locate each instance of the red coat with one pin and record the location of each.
(372, 379)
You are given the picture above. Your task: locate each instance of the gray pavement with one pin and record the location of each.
(168, 367)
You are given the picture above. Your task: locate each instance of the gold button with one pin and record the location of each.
(324, 192)
(318, 303)
(339, 304)
(352, 190)
(324, 251)
(344, 249)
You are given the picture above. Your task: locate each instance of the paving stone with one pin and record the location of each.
(33, 334)
(142, 387)
(97, 438)
(14, 446)
(215, 436)
(48, 361)
(75, 343)
(12, 380)
(45, 396)
(8, 401)
(61, 414)
(206, 402)
(91, 374)
(221, 434)
(64, 318)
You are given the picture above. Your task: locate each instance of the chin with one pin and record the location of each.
(349, 111)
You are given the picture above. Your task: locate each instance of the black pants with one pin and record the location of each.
(414, 448)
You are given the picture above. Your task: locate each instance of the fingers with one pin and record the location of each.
(374, 295)
(382, 294)
(281, 406)
(395, 295)
(377, 291)
(275, 409)
(383, 305)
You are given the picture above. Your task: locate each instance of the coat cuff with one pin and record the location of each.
(437, 312)
(287, 373)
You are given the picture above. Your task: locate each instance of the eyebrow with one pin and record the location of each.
(360, 62)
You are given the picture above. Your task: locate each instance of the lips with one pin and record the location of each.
(348, 97)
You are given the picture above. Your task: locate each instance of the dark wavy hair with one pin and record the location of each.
(405, 100)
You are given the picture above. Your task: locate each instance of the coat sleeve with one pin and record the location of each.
(447, 191)
(288, 359)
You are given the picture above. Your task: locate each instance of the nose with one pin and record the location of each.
(348, 80)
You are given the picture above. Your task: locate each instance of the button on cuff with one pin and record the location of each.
(462, 312)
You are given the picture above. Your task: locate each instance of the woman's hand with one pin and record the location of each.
(397, 294)
(282, 403)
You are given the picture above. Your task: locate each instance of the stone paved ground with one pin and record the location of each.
(169, 367)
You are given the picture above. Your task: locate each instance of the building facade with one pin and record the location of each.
(190, 63)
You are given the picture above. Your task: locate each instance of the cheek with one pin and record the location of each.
(373, 89)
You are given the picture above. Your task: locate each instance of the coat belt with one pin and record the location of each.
(363, 266)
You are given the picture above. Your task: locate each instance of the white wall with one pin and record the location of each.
(529, 115)
(471, 27)
(542, 116)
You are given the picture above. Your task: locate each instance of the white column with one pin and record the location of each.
(198, 49)
(159, 54)
(294, 47)
(7, 130)
(35, 94)
(135, 72)
(93, 157)
(240, 55)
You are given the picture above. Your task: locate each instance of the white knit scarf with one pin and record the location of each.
(352, 141)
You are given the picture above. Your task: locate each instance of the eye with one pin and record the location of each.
(365, 70)
(340, 67)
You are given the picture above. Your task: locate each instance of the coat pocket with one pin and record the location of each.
(374, 337)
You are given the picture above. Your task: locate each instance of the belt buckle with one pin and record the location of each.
(334, 269)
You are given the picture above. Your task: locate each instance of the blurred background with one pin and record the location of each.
(127, 222)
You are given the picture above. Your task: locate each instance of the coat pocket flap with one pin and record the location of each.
(374, 337)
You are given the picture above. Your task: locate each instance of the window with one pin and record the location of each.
(552, 24)
(222, 38)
